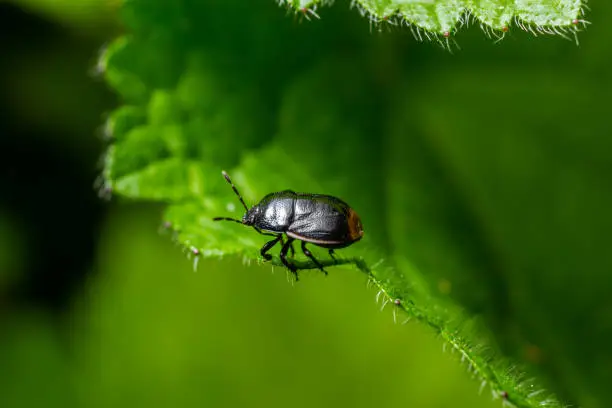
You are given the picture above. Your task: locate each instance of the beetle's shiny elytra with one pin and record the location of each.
(317, 219)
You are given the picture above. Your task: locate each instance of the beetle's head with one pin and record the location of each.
(251, 215)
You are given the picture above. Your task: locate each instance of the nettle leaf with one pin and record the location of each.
(436, 19)
(306, 155)
(226, 85)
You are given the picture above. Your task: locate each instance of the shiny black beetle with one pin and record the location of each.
(318, 219)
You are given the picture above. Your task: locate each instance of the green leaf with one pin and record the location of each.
(279, 165)
(463, 178)
(443, 17)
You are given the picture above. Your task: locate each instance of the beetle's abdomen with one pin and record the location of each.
(325, 221)
(355, 228)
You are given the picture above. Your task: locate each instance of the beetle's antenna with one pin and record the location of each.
(229, 180)
(227, 219)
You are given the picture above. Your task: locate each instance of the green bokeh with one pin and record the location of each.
(229, 335)
(149, 331)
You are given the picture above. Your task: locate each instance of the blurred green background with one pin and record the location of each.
(99, 309)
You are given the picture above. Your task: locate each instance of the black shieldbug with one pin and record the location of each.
(317, 219)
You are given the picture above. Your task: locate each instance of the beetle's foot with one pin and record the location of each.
(294, 271)
(319, 266)
(312, 258)
(331, 253)
(267, 257)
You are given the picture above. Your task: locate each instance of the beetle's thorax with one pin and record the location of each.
(273, 213)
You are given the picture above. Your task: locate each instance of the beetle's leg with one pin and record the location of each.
(290, 248)
(311, 256)
(268, 245)
(331, 253)
(264, 233)
(268, 257)
(283, 257)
